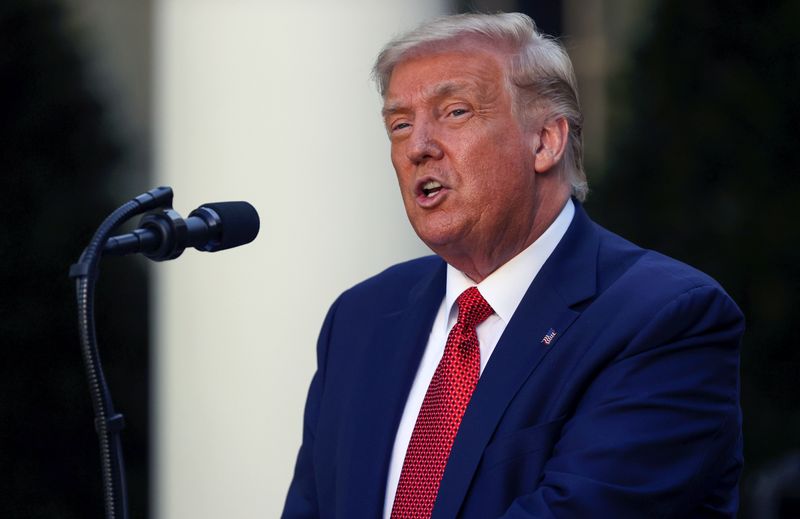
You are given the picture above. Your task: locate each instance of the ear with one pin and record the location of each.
(552, 141)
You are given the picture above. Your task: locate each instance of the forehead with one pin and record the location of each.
(470, 70)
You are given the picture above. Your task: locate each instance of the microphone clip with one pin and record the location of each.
(171, 231)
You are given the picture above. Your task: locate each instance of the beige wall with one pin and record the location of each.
(269, 102)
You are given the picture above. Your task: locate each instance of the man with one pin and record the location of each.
(538, 366)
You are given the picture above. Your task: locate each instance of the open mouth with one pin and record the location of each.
(430, 188)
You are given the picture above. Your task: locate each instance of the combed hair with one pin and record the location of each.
(538, 66)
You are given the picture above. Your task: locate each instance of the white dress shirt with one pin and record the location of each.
(503, 289)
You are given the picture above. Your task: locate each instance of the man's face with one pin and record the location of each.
(464, 163)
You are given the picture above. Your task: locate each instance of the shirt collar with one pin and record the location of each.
(504, 288)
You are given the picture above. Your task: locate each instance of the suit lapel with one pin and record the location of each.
(391, 364)
(567, 278)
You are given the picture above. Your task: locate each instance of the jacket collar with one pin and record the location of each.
(390, 366)
(550, 305)
(566, 279)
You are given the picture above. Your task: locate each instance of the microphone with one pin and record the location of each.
(211, 227)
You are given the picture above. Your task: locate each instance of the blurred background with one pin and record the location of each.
(691, 134)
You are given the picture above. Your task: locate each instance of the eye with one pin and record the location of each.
(399, 126)
(457, 111)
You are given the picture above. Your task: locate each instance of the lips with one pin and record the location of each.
(430, 192)
(431, 188)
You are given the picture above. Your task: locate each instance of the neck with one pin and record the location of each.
(479, 261)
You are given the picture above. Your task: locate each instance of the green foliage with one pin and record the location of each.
(703, 166)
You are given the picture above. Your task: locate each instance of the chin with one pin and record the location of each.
(438, 241)
(437, 231)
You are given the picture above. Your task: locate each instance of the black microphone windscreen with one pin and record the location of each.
(240, 223)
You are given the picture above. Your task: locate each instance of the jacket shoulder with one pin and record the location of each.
(393, 286)
(619, 260)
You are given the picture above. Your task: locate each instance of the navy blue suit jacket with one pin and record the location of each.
(631, 410)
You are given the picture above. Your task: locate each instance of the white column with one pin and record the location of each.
(268, 102)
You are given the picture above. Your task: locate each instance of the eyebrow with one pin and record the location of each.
(440, 90)
(449, 88)
(388, 110)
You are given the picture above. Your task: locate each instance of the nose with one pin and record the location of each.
(423, 144)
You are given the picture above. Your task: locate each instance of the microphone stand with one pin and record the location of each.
(108, 423)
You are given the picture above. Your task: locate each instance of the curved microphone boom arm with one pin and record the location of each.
(161, 236)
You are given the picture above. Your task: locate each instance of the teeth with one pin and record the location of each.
(431, 188)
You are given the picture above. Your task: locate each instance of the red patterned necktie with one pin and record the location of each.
(441, 412)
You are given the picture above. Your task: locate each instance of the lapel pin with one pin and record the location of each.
(547, 339)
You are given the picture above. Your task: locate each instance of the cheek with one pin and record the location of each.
(505, 173)
(394, 153)
(400, 166)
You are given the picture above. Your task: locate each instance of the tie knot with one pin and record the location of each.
(472, 308)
